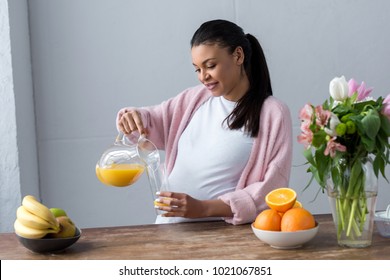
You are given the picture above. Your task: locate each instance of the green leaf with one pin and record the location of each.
(309, 156)
(322, 164)
(353, 98)
(326, 105)
(336, 175)
(385, 125)
(368, 143)
(319, 138)
(371, 124)
(312, 168)
(354, 177)
(309, 183)
(359, 107)
(378, 165)
(341, 110)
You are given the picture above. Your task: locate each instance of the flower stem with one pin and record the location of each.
(352, 220)
(340, 216)
(340, 212)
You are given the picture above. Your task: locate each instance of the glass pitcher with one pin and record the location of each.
(123, 163)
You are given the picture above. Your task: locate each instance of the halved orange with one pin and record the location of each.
(281, 199)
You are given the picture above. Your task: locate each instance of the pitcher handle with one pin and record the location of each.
(120, 136)
(126, 139)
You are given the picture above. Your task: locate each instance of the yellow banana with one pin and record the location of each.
(31, 220)
(28, 232)
(31, 204)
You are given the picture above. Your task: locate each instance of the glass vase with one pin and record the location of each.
(352, 190)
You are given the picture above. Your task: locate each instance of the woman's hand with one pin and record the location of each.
(183, 205)
(131, 121)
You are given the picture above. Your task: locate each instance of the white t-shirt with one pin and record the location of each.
(210, 156)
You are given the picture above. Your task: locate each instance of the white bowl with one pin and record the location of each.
(284, 239)
(382, 223)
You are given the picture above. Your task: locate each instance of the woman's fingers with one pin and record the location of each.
(131, 121)
(174, 204)
(170, 207)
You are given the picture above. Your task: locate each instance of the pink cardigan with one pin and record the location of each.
(269, 163)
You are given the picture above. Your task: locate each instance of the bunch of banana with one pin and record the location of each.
(34, 220)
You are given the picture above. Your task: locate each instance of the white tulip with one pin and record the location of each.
(338, 88)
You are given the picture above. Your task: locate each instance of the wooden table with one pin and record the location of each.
(204, 240)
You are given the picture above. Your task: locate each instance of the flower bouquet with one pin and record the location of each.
(347, 148)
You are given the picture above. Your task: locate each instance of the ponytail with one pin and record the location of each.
(247, 111)
(259, 71)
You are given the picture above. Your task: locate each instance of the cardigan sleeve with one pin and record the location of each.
(156, 120)
(159, 119)
(268, 167)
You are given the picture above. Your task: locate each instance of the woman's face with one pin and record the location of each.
(220, 71)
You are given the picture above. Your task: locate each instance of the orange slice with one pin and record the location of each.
(281, 199)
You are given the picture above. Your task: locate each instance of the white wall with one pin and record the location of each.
(23, 88)
(92, 57)
(9, 163)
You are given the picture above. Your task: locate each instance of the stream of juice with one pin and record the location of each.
(119, 175)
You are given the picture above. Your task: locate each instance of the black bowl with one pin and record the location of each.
(46, 245)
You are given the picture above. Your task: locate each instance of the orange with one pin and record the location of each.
(268, 219)
(281, 199)
(297, 204)
(297, 219)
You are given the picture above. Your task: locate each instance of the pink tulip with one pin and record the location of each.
(386, 107)
(353, 86)
(361, 89)
(363, 92)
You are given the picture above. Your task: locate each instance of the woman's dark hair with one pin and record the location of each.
(229, 35)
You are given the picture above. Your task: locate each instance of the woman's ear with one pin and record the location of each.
(239, 55)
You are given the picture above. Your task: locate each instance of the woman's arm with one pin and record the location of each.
(183, 205)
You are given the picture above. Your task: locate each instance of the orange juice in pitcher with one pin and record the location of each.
(124, 162)
(119, 175)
